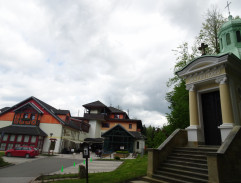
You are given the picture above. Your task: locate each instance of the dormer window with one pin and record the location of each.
(117, 116)
(238, 36)
(228, 39)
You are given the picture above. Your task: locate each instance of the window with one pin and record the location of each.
(33, 139)
(3, 146)
(26, 138)
(228, 39)
(5, 137)
(130, 126)
(238, 36)
(10, 146)
(17, 146)
(137, 145)
(32, 117)
(117, 116)
(12, 138)
(105, 125)
(19, 138)
(25, 115)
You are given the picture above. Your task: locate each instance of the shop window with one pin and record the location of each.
(3, 146)
(130, 126)
(12, 138)
(10, 146)
(238, 36)
(19, 138)
(228, 39)
(105, 125)
(33, 139)
(26, 138)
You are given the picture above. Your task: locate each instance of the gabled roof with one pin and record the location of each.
(117, 126)
(32, 105)
(45, 106)
(61, 112)
(96, 104)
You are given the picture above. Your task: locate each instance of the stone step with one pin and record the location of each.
(190, 151)
(188, 159)
(179, 177)
(195, 156)
(183, 167)
(189, 164)
(152, 180)
(185, 172)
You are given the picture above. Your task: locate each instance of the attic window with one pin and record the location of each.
(228, 39)
(238, 36)
(117, 116)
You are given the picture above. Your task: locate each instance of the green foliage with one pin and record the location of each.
(209, 32)
(117, 158)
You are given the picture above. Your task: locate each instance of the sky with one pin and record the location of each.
(68, 53)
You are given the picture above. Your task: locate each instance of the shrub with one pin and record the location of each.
(117, 158)
(122, 152)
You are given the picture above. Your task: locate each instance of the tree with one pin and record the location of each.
(178, 97)
(209, 32)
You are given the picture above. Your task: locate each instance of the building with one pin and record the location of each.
(214, 133)
(107, 122)
(33, 122)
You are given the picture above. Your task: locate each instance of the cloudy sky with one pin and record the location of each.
(72, 52)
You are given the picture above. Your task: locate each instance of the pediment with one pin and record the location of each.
(201, 64)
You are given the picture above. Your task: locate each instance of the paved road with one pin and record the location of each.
(24, 172)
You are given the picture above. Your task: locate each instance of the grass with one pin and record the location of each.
(2, 162)
(130, 169)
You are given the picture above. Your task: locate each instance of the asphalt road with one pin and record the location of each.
(24, 172)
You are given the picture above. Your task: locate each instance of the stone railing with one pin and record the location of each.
(224, 166)
(156, 156)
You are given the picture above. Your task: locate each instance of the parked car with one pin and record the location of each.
(24, 151)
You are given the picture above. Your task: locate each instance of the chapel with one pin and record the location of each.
(209, 149)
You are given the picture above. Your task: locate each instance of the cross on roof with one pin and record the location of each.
(228, 3)
(202, 48)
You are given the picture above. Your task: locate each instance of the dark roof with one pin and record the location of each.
(117, 126)
(138, 135)
(96, 104)
(115, 110)
(60, 112)
(100, 117)
(4, 109)
(23, 130)
(47, 107)
(32, 105)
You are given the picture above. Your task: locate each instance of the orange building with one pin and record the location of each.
(109, 123)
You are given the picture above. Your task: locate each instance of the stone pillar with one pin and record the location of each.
(226, 108)
(193, 129)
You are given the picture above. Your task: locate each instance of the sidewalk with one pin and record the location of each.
(95, 164)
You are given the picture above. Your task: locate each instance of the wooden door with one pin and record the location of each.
(212, 117)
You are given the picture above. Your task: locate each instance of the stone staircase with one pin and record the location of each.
(185, 165)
